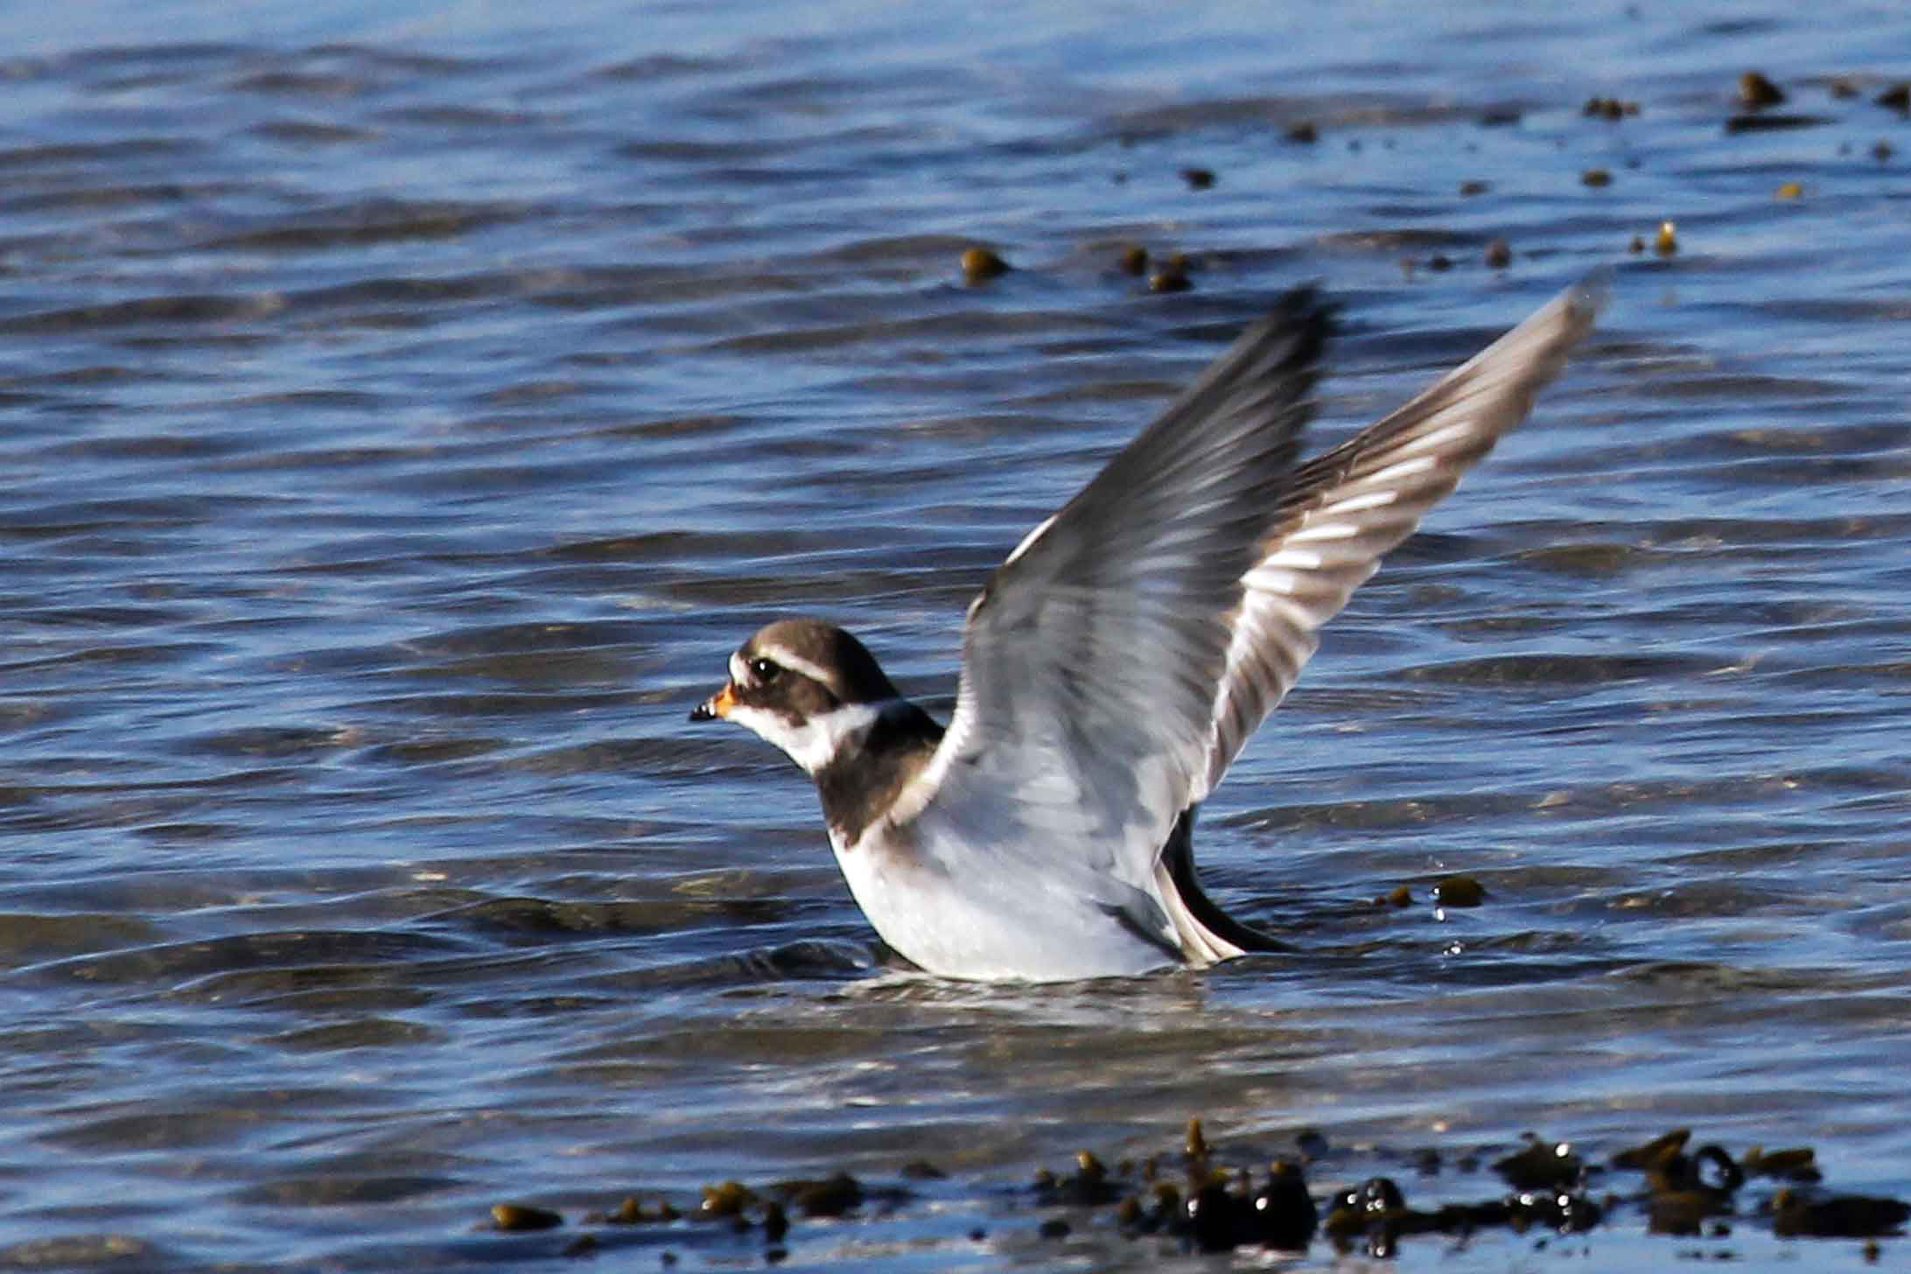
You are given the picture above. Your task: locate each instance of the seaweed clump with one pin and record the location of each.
(1206, 1196)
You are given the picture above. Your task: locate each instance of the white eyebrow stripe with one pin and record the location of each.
(794, 662)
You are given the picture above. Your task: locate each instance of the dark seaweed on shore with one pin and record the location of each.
(1213, 1198)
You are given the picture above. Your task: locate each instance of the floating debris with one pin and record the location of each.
(1897, 97)
(1597, 178)
(1303, 133)
(1608, 108)
(979, 265)
(1655, 1153)
(1213, 1218)
(1799, 1163)
(1223, 1211)
(1372, 1197)
(1840, 1216)
(727, 1200)
(518, 1217)
(1791, 190)
(1758, 92)
(1682, 1212)
(1284, 1213)
(1439, 262)
(1401, 897)
(1172, 276)
(1468, 189)
(1667, 242)
(1758, 123)
(1197, 1141)
(832, 1196)
(1708, 1168)
(1499, 255)
(632, 1212)
(1087, 1186)
(1542, 1166)
(1882, 151)
(1227, 1203)
(1683, 1191)
(1459, 891)
(1134, 260)
(1198, 178)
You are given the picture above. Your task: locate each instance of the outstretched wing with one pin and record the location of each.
(1344, 510)
(1114, 665)
(1091, 658)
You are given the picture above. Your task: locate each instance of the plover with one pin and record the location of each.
(1118, 660)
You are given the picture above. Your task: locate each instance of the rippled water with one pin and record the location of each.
(406, 412)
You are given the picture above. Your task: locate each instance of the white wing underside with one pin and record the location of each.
(1121, 658)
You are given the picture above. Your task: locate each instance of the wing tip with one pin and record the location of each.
(1547, 339)
(1586, 299)
(1308, 304)
(1302, 316)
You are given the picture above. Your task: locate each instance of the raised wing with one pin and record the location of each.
(1345, 509)
(1118, 660)
(1091, 659)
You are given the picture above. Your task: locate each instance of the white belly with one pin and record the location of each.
(993, 918)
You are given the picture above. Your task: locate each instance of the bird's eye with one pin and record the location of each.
(764, 670)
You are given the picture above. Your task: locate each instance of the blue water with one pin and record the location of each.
(405, 410)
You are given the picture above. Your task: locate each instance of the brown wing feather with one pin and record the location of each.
(1345, 509)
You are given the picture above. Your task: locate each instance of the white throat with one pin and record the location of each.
(814, 743)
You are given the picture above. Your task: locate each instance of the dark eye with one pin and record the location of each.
(764, 670)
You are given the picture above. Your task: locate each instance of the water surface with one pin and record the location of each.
(405, 413)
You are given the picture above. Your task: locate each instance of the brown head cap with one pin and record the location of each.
(819, 653)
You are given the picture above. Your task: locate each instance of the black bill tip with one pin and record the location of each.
(703, 712)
